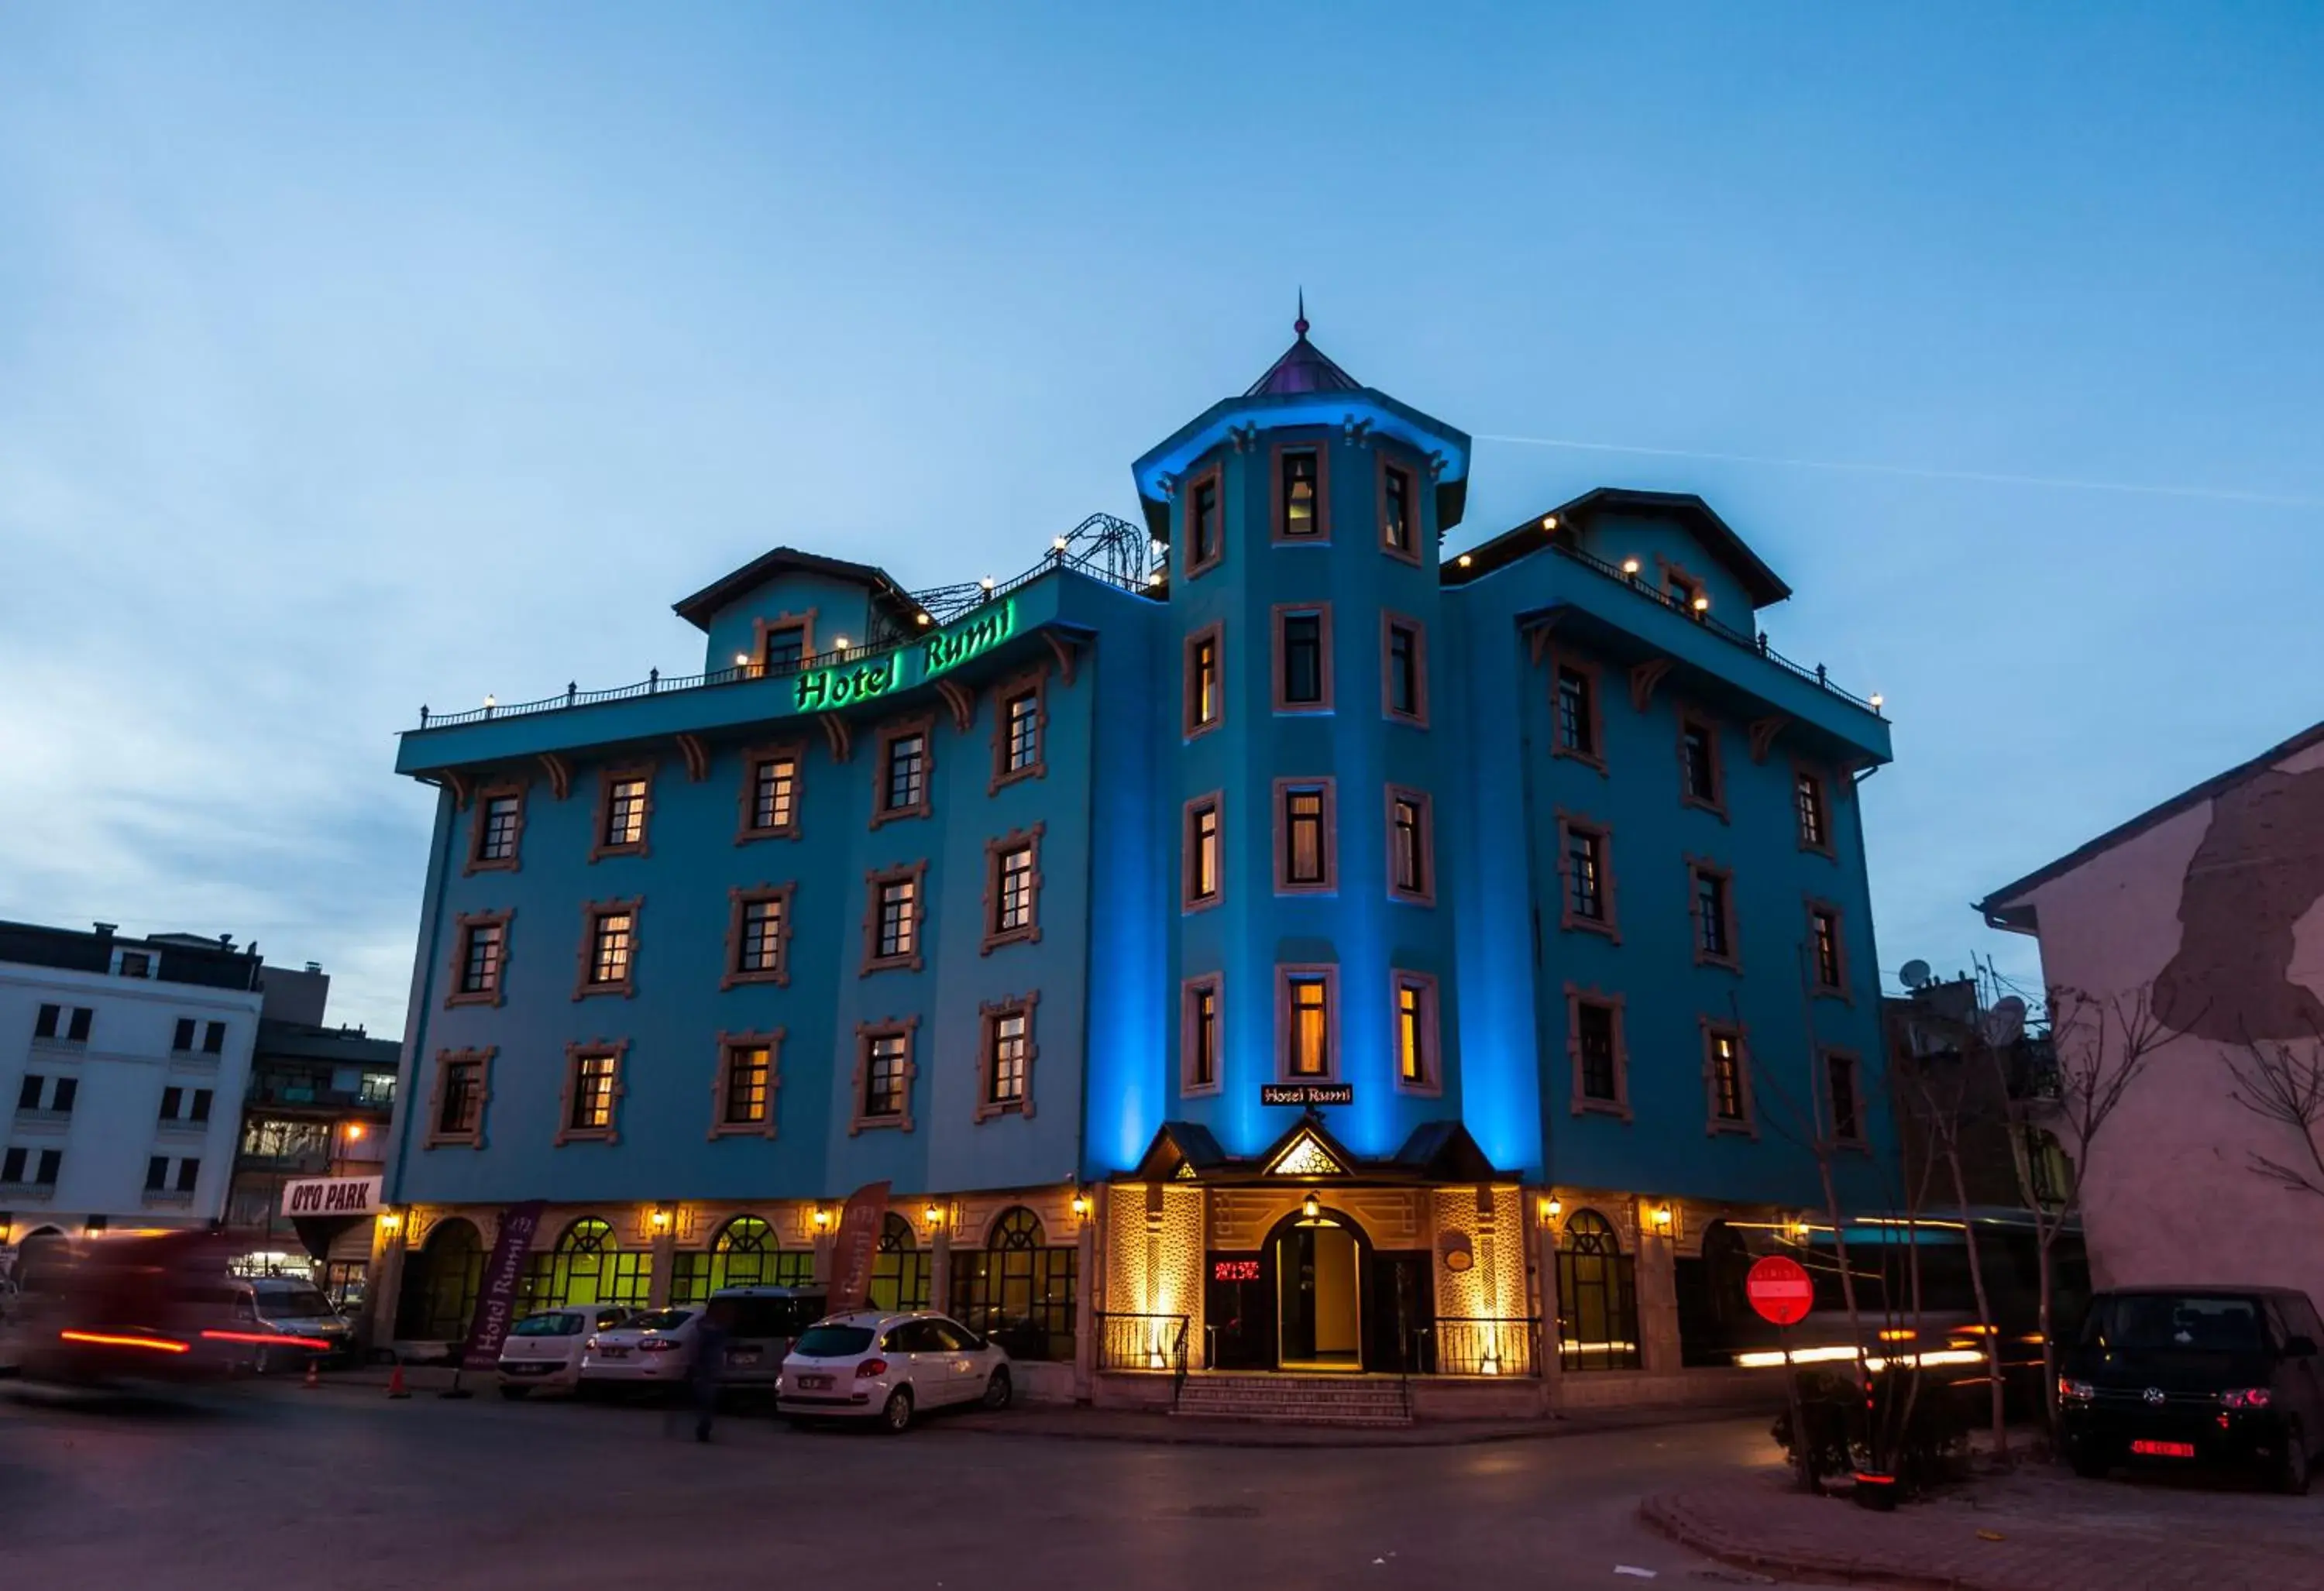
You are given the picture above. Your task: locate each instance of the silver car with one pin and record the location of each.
(889, 1367)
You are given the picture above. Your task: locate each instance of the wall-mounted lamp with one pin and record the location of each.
(1081, 1203)
(1662, 1217)
(658, 1220)
(1462, 560)
(823, 1220)
(935, 1216)
(1549, 522)
(924, 619)
(1551, 1207)
(391, 1223)
(355, 1131)
(1630, 566)
(1155, 578)
(1310, 1207)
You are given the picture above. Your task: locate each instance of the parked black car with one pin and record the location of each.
(2223, 1376)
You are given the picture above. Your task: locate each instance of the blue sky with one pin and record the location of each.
(350, 360)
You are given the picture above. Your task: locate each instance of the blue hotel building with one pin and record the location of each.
(1252, 939)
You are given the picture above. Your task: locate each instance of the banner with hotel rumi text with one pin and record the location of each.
(857, 1249)
(503, 1279)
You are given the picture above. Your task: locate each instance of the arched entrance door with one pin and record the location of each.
(439, 1285)
(1322, 1265)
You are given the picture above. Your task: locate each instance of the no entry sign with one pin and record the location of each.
(1780, 1289)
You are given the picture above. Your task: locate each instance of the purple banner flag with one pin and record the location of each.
(496, 1293)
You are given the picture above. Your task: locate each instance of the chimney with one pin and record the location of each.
(105, 930)
(314, 966)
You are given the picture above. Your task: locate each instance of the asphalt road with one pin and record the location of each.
(339, 1488)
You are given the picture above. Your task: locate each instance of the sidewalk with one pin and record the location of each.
(2031, 1532)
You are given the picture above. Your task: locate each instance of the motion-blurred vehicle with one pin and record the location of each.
(890, 1368)
(297, 1313)
(542, 1351)
(654, 1348)
(761, 1324)
(2189, 1376)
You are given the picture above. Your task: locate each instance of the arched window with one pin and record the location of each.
(1018, 1290)
(1715, 1321)
(744, 1254)
(1596, 1297)
(901, 1271)
(588, 1268)
(439, 1285)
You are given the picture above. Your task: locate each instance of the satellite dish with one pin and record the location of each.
(1914, 974)
(2005, 1022)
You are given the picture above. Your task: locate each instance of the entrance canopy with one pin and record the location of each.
(1437, 1152)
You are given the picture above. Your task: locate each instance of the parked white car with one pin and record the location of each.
(890, 1368)
(543, 1350)
(655, 1348)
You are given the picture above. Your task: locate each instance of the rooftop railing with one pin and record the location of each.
(1095, 549)
(1816, 675)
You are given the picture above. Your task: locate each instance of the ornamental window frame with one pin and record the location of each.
(1818, 913)
(1327, 975)
(1428, 1020)
(1738, 1034)
(1191, 725)
(1214, 802)
(1192, 1084)
(1279, 681)
(1278, 458)
(1730, 958)
(480, 828)
(1033, 684)
(1214, 477)
(593, 913)
(1327, 836)
(465, 929)
(763, 630)
(577, 1055)
(1424, 806)
(1591, 677)
(608, 777)
(740, 900)
(1812, 788)
(875, 882)
(471, 1137)
(861, 1120)
(1391, 623)
(990, 1015)
(924, 725)
(747, 827)
(1715, 758)
(1409, 552)
(1580, 1101)
(1570, 825)
(1835, 1060)
(997, 852)
(730, 1044)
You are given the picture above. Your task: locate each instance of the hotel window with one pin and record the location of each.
(1200, 1014)
(1723, 1065)
(1585, 858)
(1598, 1080)
(1698, 761)
(157, 1179)
(1815, 825)
(884, 1077)
(182, 1041)
(1021, 731)
(1308, 999)
(609, 944)
(1683, 590)
(1577, 713)
(479, 960)
(64, 1024)
(1714, 921)
(1415, 1031)
(499, 823)
(1303, 659)
(746, 1084)
(758, 935)
(188, 1105)
(1203, 882)
(592, 1085)
(625, 801)
(1013, 888)
(1205, 703)
(1411, 847)
(892, 930)
(1841, 1092)
(786, 649)
(457, 1115)
(1826, 956)
(63, 1090)
(212, 1038)
(1005, 1061)
(771, 794)
(904, 785)
(1398, 532)
(25, 1167)
(1298, 495)
(1404, 670)
(1205, 529)
(1305, 843)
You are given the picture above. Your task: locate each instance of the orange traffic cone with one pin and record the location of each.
(395, 1387)
(314, 1374)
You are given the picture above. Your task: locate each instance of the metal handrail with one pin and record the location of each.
(1096, 563)
(1483, 1345)
(1127, 1342)
(1817, 676)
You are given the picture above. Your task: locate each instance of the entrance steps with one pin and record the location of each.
(1296, 1399)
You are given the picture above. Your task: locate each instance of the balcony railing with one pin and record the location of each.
(1816, 676)
(1095, 548)
(1485, 1344)
(1155, 1343)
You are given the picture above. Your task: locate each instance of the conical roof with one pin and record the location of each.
(1304, 368)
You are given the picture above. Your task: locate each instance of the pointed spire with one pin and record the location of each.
(1300, 325)
(1303, 367)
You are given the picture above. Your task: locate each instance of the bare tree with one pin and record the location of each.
(2102, 1044)
(1945, 1106)
(2282, 1081)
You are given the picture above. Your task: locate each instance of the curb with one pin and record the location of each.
(1658, 1514)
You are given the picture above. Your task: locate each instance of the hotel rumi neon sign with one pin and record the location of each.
(821, 689)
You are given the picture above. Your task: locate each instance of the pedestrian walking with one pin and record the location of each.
(707, 1372)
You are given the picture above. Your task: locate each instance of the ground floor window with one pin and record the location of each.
(1596, 1297)
(586, 1267)
(901, 1271)
(440, 1284)
(744, 1254)
(1018, 1290)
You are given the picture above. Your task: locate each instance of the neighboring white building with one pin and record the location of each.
(122, 1065)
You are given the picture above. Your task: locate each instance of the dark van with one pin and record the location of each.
(761, 1324)
(2214, 1376)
